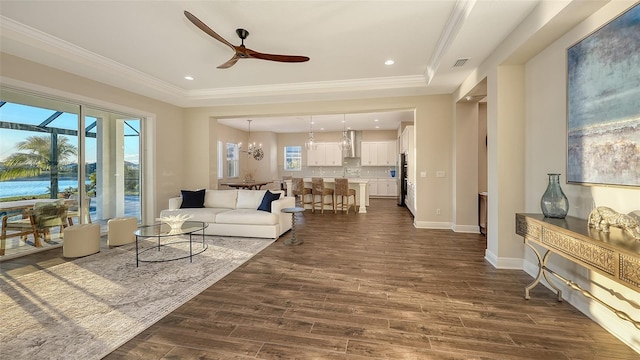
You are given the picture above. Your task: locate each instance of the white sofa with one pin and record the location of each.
(235, 213)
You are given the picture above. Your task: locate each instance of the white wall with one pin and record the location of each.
(545, 151)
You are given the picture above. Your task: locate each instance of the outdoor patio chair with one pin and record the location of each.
(47, 215)
(17, 225)
(74, 209)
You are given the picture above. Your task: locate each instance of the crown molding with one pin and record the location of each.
(454, 23)
(79, 58)
(35, 44)
(386, 83)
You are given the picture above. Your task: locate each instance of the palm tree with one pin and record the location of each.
(35, 157)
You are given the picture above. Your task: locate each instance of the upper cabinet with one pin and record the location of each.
(379, 153)
(406, 143)
(327, 154)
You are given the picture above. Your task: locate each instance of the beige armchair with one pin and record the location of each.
(120, 231)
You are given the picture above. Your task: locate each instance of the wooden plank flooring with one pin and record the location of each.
(369, 286)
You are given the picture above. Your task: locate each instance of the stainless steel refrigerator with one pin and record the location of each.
(402, 179)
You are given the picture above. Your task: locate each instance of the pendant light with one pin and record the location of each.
(252, 149)
(345, 142)
(311, 143)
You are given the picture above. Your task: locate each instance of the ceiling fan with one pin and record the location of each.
(241, 51)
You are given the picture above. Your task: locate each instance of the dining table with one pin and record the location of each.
(19, 205)
(248, 185)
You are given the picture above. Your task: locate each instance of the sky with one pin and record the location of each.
(22, 114)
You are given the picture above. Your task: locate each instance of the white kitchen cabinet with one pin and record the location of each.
(326, 154)
(387, 187)
(410, 200)
(406, 140)
(373, 187)
(408, 147)
(379, 153)
(368, 156)
(383, 187)
(333, 154)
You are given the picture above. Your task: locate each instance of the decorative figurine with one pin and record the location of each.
(602, 217)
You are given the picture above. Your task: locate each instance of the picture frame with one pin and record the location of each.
(603, 104)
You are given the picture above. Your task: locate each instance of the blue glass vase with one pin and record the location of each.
(554, 202)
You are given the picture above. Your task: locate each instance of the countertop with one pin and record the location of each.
(332, 180)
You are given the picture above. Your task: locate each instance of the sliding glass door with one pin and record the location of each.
(41, 149)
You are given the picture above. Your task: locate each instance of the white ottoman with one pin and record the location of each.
(81, 240)
(120, 231)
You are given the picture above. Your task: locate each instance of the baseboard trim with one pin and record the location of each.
(432, 225)
(503, 263)
(471, 229)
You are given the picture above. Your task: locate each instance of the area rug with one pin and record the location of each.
(87, 308)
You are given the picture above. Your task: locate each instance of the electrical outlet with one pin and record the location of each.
(438, 212)
(440, 174)
(423, 174)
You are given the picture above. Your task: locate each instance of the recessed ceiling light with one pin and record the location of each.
(377, 127)
(376, 120)
(188, 77)
(321, 128)
(389, 62)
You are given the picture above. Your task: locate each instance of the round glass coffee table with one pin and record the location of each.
(293, 211)
(170, 242)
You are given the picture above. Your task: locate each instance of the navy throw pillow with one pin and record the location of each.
(192, 199)
(267, 199)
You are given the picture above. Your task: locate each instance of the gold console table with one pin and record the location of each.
(615, 255)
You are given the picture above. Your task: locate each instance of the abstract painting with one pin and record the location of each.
(603, 104)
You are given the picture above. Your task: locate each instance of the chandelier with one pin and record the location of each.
(311, 143)
(252, 150)
(345, 142)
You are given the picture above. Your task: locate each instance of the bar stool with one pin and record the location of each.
(318, 189)
(299, 190)
(342, 190)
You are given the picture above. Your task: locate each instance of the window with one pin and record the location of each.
(292, 158)
(232, 160)
(220, 161)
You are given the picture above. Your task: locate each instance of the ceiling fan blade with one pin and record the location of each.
(275, 57)
(230, 63)
(202, 26)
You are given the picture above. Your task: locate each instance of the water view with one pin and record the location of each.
(32, 187)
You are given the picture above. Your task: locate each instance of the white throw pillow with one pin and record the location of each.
(220, 199)
(249, 199)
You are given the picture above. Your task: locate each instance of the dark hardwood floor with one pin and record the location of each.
(365, 286)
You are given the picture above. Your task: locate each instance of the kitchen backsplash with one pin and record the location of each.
(369, 172)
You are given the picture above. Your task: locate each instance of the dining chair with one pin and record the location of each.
(18, 225)
(343, 191)
(74, 209)
(283, 183)
(318, 189)
(298, 189)
(47, 215)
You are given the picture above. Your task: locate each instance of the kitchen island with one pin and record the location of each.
(358, 184)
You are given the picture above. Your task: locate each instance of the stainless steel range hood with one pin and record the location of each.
(356, 138)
